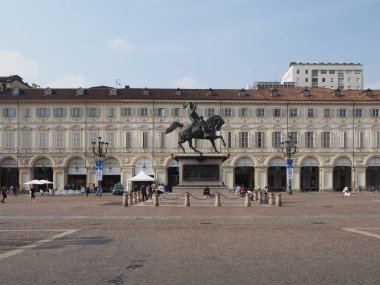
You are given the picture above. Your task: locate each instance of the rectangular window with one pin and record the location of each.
(310, 113)
(229, 139)
(92, 137)
(160, 112)
(75, 142)
(293, 112)
(243, 139)
(276, 112)
(326, 139)
(276, 139)
(331, 71)
(309, 139)
(260, 139)
(26, 140)
(227, 112)
(126, 112)
(42, 112)
(144, 112)
(128, 139)
(360, 139)
(25, 112)
(343, 140)
(294, 137)
(314, 72)
(76, 112)
(342, 113)
(332, 79)
(59, 140)
(210, 112)
(358, 113)
(162, 140)
(376, 139)
(9, 112)
(110, 112)
(59, 112)
(323, 71)
(306, 79)
(8, 140)
(375, 113)
(298, 71)
(178, 112)
(260, 112)
(110, 138)
(306, 71)
(327, 113)
(42, 140)
(244, 112)
(145, 140)
(93, 112)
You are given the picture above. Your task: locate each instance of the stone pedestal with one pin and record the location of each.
(196, 171)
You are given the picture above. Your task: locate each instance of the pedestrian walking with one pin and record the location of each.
(3, 194)
(32, 194)
(87, 190)
(99, 191)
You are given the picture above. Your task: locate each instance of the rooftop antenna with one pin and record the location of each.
(118, 83)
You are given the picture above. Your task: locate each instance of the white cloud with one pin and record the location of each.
(186, 81)
(69, 81)
(373, 85)
(119, 43)
(13, 62)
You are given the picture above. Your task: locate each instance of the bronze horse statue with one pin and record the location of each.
(198, 130)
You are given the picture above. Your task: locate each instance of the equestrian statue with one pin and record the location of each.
(198, 129)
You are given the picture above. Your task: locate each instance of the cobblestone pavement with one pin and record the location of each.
(315, 238)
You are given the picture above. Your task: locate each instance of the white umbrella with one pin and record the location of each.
(43, 181)
(33, 182)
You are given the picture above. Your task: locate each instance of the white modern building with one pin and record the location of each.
(343, 76)
(48, 134)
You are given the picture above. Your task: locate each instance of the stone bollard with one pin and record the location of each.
(255, 195)
(260, 196)
(247, 200)
(278, 199)
(265, 198)
(134, 198)
(187, 199)
(271, 199)
(130, 199)
(125, 200)
(155, 200)
(217, 199)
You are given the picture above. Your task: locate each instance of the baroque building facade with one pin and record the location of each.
(48, 134)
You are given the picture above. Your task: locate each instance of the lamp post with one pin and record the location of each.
(100, 149)
(289, 147)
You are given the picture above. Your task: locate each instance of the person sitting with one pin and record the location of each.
(345, 192)
(206, 193)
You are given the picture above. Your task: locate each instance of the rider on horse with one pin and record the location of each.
(196, 120)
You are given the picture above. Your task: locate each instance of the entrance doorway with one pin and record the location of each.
(342, 174)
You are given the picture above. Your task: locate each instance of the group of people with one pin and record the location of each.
(147, 190)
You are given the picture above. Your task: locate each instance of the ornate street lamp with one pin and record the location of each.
(100, 149)
(289, 147)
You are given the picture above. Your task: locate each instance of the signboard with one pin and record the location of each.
(289, 169)
(99, 170)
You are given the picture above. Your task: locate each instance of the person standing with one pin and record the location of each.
(3, 194)
(143, 192)
(32, 194)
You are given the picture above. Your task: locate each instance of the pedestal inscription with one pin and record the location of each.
(204, 172)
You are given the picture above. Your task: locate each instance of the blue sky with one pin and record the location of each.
(180, 43)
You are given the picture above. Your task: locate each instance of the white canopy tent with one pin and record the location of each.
(141, 176)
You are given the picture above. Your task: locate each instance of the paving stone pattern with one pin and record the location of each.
(303, 242)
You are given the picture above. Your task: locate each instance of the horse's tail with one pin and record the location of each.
(173, 126)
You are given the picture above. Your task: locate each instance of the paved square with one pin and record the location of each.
(315, 238)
